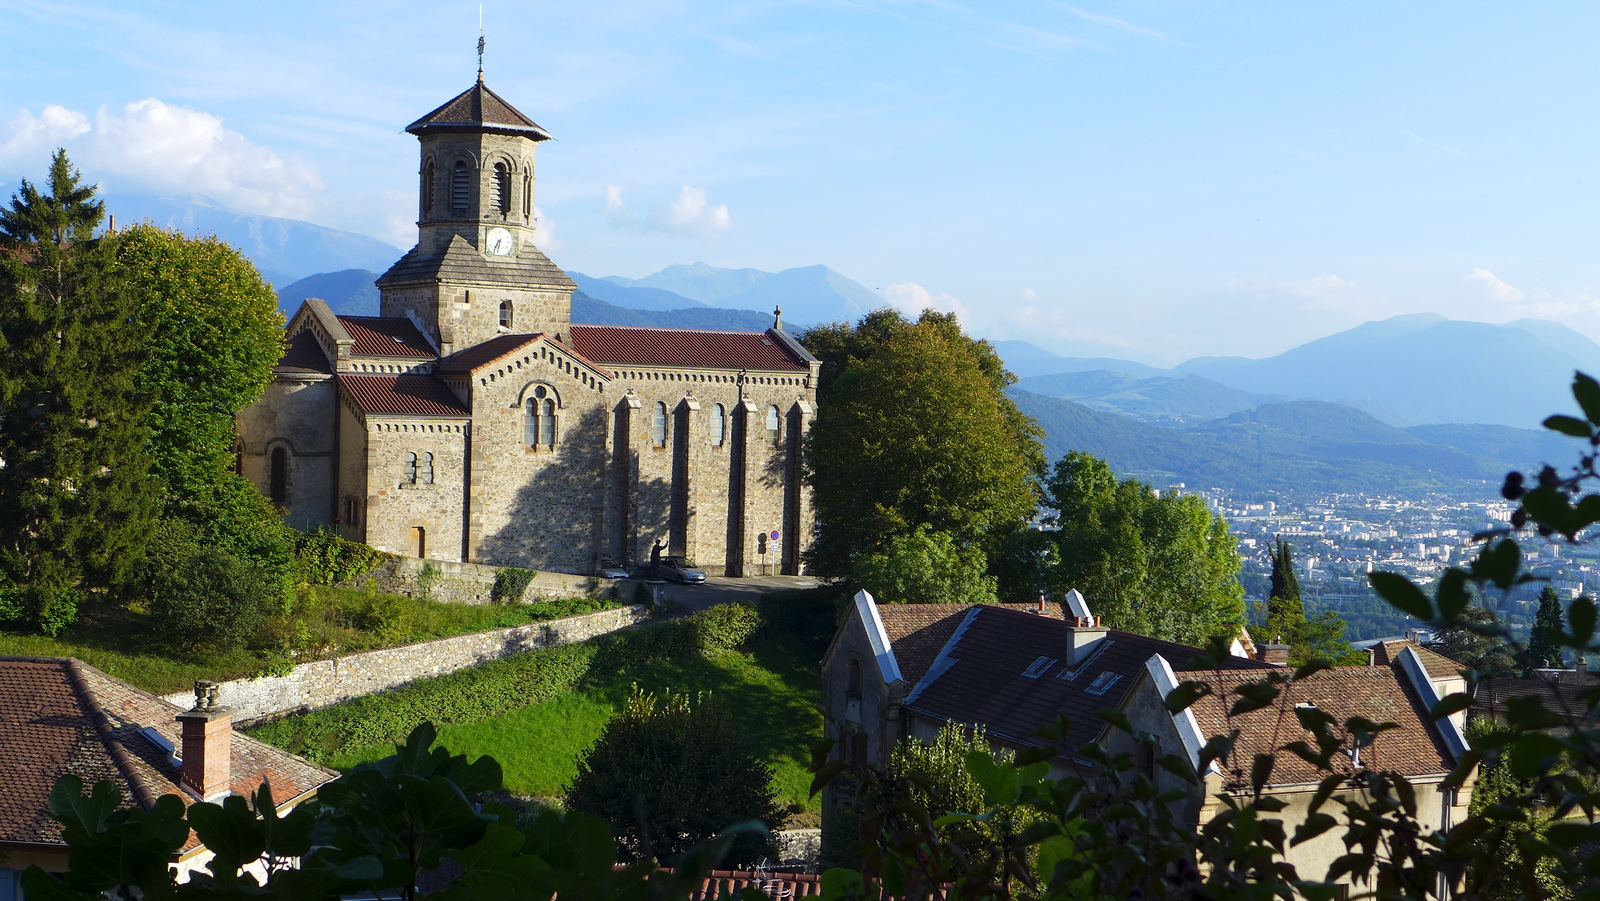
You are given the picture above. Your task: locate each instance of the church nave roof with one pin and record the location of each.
(636, 346)
(386, 336)
(403, 395)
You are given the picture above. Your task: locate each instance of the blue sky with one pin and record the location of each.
(1148, 180)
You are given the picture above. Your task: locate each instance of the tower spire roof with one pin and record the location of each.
(479, 109)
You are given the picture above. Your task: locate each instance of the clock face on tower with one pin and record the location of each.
(499, 242)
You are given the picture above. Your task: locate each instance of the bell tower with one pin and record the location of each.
(476, 272)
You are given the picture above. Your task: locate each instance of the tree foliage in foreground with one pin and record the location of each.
(668, 773)
(1162, 566)
(914, 429)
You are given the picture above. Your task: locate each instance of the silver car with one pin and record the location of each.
(611, 569)
(680, 569)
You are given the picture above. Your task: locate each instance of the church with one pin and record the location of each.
(472, 421)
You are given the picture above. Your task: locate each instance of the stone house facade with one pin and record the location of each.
(898, 671)
(471, 421)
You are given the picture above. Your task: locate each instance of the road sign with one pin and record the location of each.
(774, 535)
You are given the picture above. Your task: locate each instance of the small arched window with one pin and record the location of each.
(429, 185)
(527, 197)
(719, 425)
(506, 314)
(502, 187)
(539, 426)
(460, 187)
(409, 476)
(658, 425)
(855, 677)
(425, 469)
(774, 426)
(278, 479)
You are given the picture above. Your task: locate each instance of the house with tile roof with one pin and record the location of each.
(899, 671)
(59, 715)
(472, 421)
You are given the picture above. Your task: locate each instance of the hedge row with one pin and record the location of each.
(504, 685)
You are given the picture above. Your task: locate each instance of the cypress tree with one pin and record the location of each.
(76, 499)
(1543, 652)
(1286, 614)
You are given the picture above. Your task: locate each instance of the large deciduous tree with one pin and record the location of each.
(1159, 566)
(214, 335)
(76, 495)
(914, 431)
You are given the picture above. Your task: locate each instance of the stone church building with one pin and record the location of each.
(472, 421)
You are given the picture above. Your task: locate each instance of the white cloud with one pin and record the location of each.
(1028, 294)
(691, 213)
(911, 298)
(544, 234)
(181, 149)
(27, 138)
(1498, 289)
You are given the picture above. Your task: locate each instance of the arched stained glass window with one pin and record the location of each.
(774, 426)
(719, 426)
(658, 425)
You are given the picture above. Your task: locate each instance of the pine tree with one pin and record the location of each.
(1285, 611)
(1543, 651)
(76, 499)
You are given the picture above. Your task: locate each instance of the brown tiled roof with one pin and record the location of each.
(59, 715)
(918, 631)
(304, 354)
(981, 681)
(1385, 653)
(629, 345)
(403, 395)
(458, 261)
(480, 355)
(479, 108)
(1376, 693)
(1559, 691)
(386, 336)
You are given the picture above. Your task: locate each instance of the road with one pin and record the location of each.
(726, 589)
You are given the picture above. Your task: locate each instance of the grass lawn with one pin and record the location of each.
(327, 621)
(772, 689)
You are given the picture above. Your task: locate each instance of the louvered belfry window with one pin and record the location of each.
(429, 177)
(460, 187)
(502, 187)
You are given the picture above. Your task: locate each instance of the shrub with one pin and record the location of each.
(670, 772)
(211, 599)
(45, 609)
(324, 557)
(509, 584)
(926, 567)
(725, 627)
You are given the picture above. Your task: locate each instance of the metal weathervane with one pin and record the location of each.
(480, 42)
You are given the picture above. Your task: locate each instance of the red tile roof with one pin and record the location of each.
(980, 680)
(628, 345)
(59, 715)
(403, 395)
(386, 336)
(478, 108)
(481, 355)
(1374, 692)
(918, 631)
(1385, 653)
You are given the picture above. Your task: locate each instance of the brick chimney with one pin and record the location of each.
(207, 744)
(1273, 653)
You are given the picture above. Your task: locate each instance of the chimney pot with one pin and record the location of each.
(207, 743)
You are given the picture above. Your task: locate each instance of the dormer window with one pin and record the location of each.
(502, 187)
(505, 314)
(460, 187)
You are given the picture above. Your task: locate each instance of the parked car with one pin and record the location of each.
(611, 569)
(680, 569)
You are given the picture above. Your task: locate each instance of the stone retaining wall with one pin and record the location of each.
(324, 682)
(798, 849)
(472, 583)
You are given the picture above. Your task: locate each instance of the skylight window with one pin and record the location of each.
(1103, 682)
(161, 743)
(1039, 667)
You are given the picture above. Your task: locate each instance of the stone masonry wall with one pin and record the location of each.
(296, 414)
(397, 507)
(471, 583)
(324, 682)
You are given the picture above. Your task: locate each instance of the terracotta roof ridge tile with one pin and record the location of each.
(662, 328)
(142, 793)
